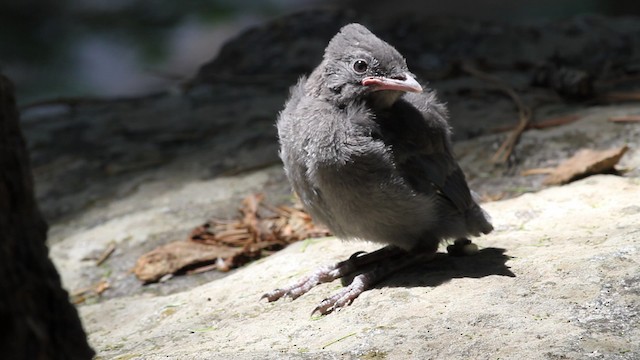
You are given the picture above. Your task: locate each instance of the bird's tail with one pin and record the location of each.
(478, 221)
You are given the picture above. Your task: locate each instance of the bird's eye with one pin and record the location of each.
(360, 66)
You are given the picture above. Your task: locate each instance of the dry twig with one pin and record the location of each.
(524, 112)
(81, 295)
(537, 171)
(105, 254)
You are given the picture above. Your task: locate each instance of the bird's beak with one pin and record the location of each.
(405, 82)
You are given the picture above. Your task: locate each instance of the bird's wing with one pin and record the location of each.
(419, 138)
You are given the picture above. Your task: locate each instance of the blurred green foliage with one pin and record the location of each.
(38, 37)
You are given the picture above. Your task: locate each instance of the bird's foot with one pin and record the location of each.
(321, 275)
(346, 296)
(462, 247)
(379, 264)
(330, 273)
(366, 280)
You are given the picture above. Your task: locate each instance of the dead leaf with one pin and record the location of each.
(585, 162)
(223, 245)
(175, 256)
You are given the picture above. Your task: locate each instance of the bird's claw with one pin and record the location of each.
(356, 254)
(273, 295)
(331, 304)
(301, 287)
(345, 297)
(291, 292)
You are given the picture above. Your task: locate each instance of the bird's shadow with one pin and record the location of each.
(444, 267)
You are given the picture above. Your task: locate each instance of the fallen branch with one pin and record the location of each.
(524, 113)
(620, 96)
(543, 124)
(625, 119)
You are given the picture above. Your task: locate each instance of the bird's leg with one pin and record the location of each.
(332, 272)
(367, 279)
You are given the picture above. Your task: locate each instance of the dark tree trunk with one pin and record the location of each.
(36, 319)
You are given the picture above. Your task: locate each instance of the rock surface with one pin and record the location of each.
(558, 279)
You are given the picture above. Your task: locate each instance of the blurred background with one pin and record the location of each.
(119, 48)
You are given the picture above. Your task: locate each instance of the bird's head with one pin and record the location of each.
(358, 66)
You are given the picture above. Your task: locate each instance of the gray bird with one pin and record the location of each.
(370, 156)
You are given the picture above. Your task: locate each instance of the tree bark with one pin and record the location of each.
(36, 319)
